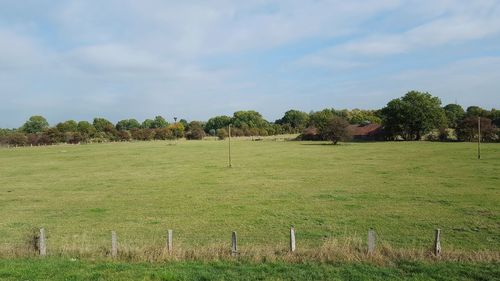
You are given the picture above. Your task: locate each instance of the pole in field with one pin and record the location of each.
(292, 239)
(42, 247)
(371, 241)
(437, 243)
(170, 242)
(478, 137)
(234, 244)
(229, 146)
(114, 246)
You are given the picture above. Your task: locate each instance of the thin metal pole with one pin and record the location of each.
(230, 146)
(478, 137)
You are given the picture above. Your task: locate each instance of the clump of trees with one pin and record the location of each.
(414, 116)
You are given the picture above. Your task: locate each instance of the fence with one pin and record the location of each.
(42, 245)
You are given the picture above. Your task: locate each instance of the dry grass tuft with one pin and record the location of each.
(332, 250)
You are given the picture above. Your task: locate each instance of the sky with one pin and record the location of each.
(198, 59)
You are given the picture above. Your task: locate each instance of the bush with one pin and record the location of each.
(164, 134)
(143, 134)
(196, 133)
(124, 136)
(467, 130)
(17, 139)
(310, 134)
(221, 134)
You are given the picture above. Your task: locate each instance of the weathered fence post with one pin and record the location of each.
(437, 243)
(371, 241)
(292, 239)
(114, 248)
(42, 247)
(170, 241)
(234, 244)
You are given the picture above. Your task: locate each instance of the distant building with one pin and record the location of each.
(367, 132)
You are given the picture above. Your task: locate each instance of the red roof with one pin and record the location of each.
(365, 130)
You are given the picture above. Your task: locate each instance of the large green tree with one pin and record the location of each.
(454, 114)
(35, 124)
(127, 124)
(103, 125)
(320, 119)
(86, 129)
(249, 119)
(295, 120)
(67, 126)
(413, 115)
(159, 122)
(217, 122)
(335, 130)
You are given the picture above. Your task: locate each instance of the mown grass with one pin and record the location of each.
(403, 190)
(64, 269)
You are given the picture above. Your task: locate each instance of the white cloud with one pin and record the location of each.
(127, 58)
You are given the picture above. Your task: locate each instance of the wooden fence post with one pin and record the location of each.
(371, 241)
(292, 239)
(114, 248)
(42, 247)
(437, 243)
(234, 244)
(170, 241)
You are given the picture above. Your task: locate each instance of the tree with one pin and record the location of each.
(86, 129)
(467, 129)
(159, 122)
(248, 119)
(320, 119)
(413, 115)
(35, 124)
(454, 113)
(103, 125)
(67, 126)
(217, 122)
(147, 124)
(127, 125)
(495, 117)
(335, 130)
(294, 120)
(360, 116)
(475, 111)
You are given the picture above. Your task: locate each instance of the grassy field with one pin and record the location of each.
(59, 269)
(403, 190)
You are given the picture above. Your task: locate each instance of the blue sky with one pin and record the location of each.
(196, 59)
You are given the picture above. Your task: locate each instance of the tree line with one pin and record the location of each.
(415, 116)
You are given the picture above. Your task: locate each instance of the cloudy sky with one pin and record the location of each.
(196, 59)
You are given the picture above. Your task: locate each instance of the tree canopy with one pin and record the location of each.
(413, 115)
(35, 124)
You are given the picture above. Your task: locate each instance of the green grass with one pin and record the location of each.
(404, 190)
(64, 269)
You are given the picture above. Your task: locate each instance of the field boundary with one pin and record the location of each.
(332, 250)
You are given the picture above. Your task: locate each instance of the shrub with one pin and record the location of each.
(310, 133)
(124, 136)
(221, 133)
(17, 139)
(195, 133)
(164, 134)
(335, 130)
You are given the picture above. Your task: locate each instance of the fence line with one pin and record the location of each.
(371, 243)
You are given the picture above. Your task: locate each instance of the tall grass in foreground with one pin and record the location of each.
(332, 250)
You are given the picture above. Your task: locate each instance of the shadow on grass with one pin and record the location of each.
(327, 144)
